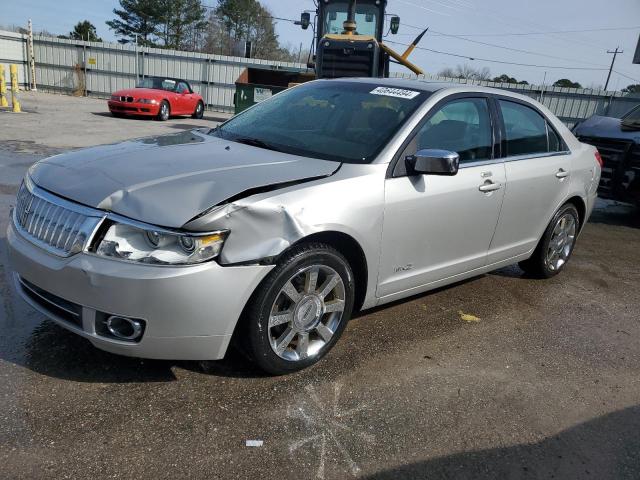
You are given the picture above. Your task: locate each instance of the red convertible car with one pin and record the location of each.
(158, 97)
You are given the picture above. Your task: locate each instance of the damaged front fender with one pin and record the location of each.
(259, 231)
(265, 225)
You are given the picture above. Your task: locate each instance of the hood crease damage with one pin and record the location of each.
(170, 180)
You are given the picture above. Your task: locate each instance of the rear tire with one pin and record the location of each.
(300, 310)
(199, 111)
(556, 246)
(164, 112)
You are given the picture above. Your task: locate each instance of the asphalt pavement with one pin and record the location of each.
(501, 376)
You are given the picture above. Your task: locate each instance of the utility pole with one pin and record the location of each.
(615, 54)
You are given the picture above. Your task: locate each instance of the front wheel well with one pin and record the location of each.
(351, 249)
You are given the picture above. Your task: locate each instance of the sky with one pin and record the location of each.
(582, 56)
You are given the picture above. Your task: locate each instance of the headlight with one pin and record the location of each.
(127, 242)
(147, 100)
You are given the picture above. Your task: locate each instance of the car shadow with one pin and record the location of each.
(144, 118)
(210, 118)
(55, 352)
(417, 296)
(607, 447)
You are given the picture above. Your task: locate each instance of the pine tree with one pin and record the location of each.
(137, 18)
(84, 30)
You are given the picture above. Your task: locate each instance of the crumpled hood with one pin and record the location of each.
(605, 127)
(169, 180)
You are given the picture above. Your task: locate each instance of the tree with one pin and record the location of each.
(176, 24)
(466, 72)
(181, 23)
(635, 88)
(84, 30)
(504, 78)
(565, 82)
(136, 18)
(235, 22)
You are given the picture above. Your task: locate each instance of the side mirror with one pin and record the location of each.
(305, 20)
(394, 25)
(433, 162)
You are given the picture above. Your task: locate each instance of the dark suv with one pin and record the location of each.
(618, 141)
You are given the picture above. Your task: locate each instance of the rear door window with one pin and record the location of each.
(526, 129)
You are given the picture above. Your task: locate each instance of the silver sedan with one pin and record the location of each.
(273, 228)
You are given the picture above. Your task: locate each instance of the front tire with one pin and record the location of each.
(556, 246)
(164, 112)
(199, 111)
(300, 310)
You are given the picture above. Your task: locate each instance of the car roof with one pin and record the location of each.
(425, 85)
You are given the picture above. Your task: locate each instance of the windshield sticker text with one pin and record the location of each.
(395, 92)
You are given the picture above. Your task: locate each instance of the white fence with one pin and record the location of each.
(98, 69)
(13, 50)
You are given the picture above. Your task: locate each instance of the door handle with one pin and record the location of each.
(489, 187)
(562, 173)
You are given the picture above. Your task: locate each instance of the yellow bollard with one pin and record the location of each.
(13, 69)
(3, 88)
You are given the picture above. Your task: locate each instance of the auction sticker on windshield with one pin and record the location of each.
(395, 92)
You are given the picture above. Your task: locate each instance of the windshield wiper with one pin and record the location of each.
(254, 142)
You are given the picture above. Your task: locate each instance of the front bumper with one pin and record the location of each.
(133, 108)
(190, 312)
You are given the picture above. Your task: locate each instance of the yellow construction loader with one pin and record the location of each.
(348, 42)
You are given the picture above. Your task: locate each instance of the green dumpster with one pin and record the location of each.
(257, 84)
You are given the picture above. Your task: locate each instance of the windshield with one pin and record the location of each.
(366, 18)
(326, 119)
(157, 83)
(633, 115)
(631, 121)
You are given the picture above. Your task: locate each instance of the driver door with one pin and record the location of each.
(183, 99)
(437, 227)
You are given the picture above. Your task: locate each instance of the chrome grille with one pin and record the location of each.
(54, 224)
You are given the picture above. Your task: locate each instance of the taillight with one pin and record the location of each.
(599, 159)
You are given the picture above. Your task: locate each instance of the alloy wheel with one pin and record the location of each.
(306, 313)
(561, 242)
(164, 111)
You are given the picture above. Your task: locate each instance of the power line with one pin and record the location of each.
(586, 30)
(626, 76)
(518, 50)
(498, 61)
(496, 16)
(603, 67)
(260, 16)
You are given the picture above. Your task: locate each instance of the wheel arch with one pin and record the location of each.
(578, 202)
(352, 251)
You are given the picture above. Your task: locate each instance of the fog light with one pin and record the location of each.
(124, 328)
